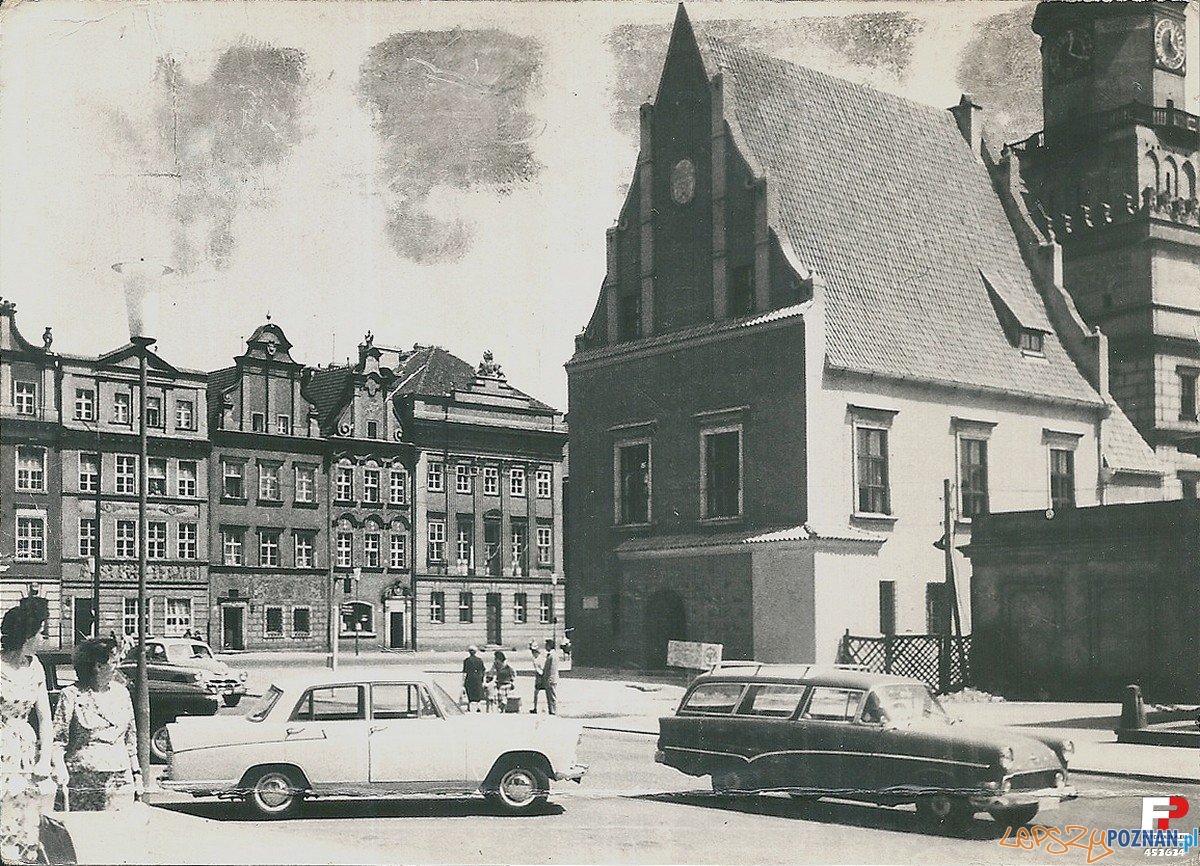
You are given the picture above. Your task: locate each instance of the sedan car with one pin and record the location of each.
(371, 734)
(814, 731)
(187, 665)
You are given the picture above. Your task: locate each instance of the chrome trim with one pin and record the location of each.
(830, 752)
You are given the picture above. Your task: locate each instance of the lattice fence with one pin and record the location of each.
(934, 658)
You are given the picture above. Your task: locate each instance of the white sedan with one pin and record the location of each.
(369, 734)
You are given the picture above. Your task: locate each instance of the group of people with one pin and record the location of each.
(88, 747)
(485, 687)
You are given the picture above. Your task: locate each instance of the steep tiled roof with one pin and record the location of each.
(431, 371)
(327, 390)
(1124, 448)
(218, 382)
(882, 197)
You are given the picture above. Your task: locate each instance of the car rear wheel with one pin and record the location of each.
(732, 779)
(275, 792)
(232, 700)
(160, 744)
(944, 811)
(520, 788)
(1015, 816)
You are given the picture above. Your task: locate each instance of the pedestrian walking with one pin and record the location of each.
(27, 774)
(94, 727)
(550, 678)
(503, 679)
(538, 664)
(473, 673)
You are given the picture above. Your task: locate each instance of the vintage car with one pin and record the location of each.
(187, 665)
(374, 734)
(827, 731)
(168, 701)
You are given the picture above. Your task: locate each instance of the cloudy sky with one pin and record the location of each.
(432, 172)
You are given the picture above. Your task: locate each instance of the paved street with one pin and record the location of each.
(631, 810)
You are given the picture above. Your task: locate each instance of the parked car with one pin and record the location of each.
(185, 665)
(364, 733)
(816, 731)
(168, 700)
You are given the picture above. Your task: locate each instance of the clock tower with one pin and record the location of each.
(1113, 178)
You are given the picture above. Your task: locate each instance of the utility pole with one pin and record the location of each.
(142, 707)
(948, 551)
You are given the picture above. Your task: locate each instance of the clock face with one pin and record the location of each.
(1169, 47)
(1069, 53)
(683, 181)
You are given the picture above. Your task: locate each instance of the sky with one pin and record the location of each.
(435, 173)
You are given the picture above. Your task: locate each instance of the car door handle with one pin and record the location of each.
(378, 728)
(291, 732)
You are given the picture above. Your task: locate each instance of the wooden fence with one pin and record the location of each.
(941, 661)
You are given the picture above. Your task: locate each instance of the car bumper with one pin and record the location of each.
(227, 689)
(1046, 798)
(574, 774)
(199, 788)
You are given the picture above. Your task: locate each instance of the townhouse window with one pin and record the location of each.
(437, 606)
(186, 482)
(25, 397)
(372, 429)
(304, 545)
(177, 617)
(545, 541)
(126, 475)
(462, 479)
(520, 608)
(520, 533)
(268, 548)
(344, 549)
(516, 481)
(233, 486)
(31, 468)
(87, 536)
(268, 482)
(741, 291)
(629, 317)
(185, 415)
(283, 425)
(31, 538)
(543, 480)
(129, 623)
(343, 484)
(1062, 478)
(491, 546)
(258, 422)
(85, 404)
(89, 473)
(872, 471)
(156, 476)
(186, 541)
(435, 481)
(372, 550)
(437, 541)
(973, 476)
(465, 544)
(306, 484)
(937, 609)
(274, 621)
(126, 539)
(633, 482)
(887, 607)
(466, 607)
(371, 484)
(301, 621)
(491, 481)
(154, 414)
(1189, 486)
(398, 486)
(121, 408)
(397, 550)
(721, 472)
(545, 608)
(233, 546)
(1187, 395)
(156, 539)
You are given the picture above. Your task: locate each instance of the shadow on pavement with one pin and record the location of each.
(473, 807)
(842, 812)
(1091, 723)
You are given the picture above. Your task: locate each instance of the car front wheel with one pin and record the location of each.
(160, 744)
(275, 792)
(520, 788)
(1015, 816)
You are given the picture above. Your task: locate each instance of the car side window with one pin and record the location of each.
(772, 701)
(156, 653)
(832, 705)
(401, 701)
(331, 704)
(714, 698)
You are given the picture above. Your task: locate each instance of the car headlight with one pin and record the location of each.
(1066, 750)
(1008, 758)
(242, 676)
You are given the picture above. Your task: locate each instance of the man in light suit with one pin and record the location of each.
(550, 678)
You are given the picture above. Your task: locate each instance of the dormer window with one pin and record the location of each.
(1032, 341)
(372, 430)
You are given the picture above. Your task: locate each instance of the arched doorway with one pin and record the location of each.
(665, 621)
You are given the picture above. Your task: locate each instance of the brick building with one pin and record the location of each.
(815, 310)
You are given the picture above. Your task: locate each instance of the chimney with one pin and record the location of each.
(969, 118)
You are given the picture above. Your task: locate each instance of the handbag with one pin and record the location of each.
(54, 842)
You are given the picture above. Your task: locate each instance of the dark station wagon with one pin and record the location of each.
(828, 731)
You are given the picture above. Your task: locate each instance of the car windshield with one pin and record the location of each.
(445, 703)
(182, 653)
(904, 704)
(262, 707)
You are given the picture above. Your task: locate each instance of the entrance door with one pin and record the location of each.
(666, 620)
(397, 633)
(84, 621)
(233, 632)
(493, 618)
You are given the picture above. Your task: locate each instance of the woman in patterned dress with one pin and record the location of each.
(26, 788)
(94, 726)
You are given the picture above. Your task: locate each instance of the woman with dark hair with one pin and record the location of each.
(94, 726)
(25, 766)
(503, 679)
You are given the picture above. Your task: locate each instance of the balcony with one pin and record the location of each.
(1091, 126)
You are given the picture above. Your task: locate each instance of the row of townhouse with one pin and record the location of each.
(418, 497)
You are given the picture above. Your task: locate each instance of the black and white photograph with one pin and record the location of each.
(784, 413)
